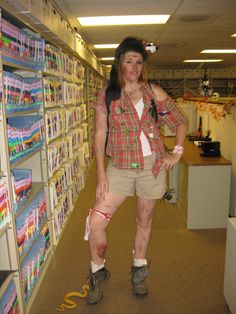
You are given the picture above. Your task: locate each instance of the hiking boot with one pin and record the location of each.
(95, 282)
(138, 276)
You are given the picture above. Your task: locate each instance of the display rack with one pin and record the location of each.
(46, 125)
(22, 139)
(65, 116)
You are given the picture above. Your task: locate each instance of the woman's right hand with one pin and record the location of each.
(102, 187)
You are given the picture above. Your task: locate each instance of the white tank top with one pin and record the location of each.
(144, 142)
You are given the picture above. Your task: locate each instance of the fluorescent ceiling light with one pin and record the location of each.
(123, 20)
(204, 60)
(234, 35)
(107, 58)
(219, 51)
(105, 46)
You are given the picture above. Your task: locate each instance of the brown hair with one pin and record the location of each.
(113, 90)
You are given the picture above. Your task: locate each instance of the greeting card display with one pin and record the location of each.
(21, 94)
(22, 46)
(57, 186)
(25, 135)
(53, 60)
(57, 152)
(60, 214)
(33, 263)
(54, 124)
(52, 92)
(9, 301)
(4, 205)
(21, 184)
(30, 221)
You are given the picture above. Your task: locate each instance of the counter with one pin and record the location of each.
(203, 187)
(192, 156)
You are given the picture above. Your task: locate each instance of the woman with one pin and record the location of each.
(128, 114)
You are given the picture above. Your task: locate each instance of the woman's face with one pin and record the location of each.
(132, 66)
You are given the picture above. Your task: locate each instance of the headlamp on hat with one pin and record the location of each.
(151, 47)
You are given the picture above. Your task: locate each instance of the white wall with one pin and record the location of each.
(224, 131)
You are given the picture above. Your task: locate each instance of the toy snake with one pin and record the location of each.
(70, 304)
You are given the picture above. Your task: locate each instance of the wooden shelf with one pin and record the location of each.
(26, 157)
(49, 74)
(18, 67)
(21, 113)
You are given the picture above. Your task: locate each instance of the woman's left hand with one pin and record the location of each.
(170, 160)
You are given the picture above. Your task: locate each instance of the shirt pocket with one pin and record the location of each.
(123, 137)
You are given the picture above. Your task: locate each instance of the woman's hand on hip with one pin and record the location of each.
(170, 160)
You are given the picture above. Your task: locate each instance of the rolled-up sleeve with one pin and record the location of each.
(170, 114)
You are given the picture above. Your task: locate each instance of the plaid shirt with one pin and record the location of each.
(124, 145)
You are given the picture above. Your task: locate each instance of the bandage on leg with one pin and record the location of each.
(101, 213)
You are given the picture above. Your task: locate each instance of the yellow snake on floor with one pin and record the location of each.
(70, 304)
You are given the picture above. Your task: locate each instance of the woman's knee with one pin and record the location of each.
(99, 220)
(144, 213)
(144, 221)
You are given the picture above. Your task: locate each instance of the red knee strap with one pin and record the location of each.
(101, 213)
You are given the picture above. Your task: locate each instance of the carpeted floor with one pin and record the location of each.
(186, 271)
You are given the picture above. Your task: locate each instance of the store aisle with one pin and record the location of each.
(186, 272)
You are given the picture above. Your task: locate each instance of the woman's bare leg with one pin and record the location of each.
(98, 224)
(144, 210)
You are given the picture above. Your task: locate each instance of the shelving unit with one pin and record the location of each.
(179, 82)
(225, 86)
(46, 125)
(174, 88)
(21, 149)
(65, 115)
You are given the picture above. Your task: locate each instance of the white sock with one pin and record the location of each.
(95, 267)
(138, 262)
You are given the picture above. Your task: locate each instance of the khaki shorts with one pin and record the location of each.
(143, 182)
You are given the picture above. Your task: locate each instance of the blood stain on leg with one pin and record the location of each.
(101, 249)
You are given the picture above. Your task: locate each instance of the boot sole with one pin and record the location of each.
(140, 291)
(137, 294)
